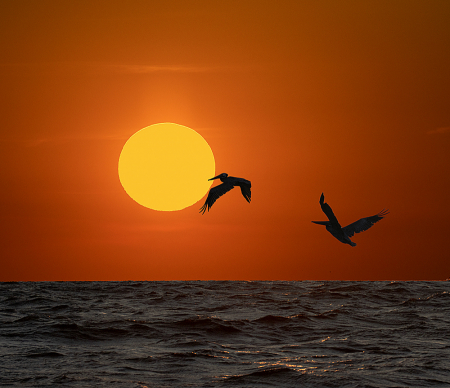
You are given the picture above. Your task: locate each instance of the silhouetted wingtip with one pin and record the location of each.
(322, 199)
(203, 209)
(383, 213)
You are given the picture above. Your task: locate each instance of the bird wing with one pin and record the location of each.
(214, 194)
(245, 186)
(328, 212)
(364, 223)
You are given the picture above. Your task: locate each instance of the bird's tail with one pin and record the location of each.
(352, 244)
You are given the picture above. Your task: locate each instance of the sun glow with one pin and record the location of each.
(166, 167)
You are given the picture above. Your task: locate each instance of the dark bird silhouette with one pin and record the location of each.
(228, 182)
(344, 234)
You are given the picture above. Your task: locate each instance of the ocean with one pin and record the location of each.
(225, 334)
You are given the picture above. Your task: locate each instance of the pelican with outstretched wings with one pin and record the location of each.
(343, 234)
(228, 182)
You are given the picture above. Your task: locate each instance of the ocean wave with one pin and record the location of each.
(45, 354)
(271, 377)
(210, 325)
(276, 319)
(206, 334)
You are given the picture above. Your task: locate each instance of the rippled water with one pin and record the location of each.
(212, 334)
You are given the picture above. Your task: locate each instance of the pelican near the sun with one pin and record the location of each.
(343, 234)
(228, 182)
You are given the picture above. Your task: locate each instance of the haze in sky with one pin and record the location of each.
(349, 98)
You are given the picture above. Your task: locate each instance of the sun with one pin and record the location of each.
(166, 167)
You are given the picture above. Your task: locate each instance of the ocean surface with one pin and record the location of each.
(225, 334)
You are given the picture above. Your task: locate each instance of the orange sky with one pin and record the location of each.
(349, 98)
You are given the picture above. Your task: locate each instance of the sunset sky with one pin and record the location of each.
(348, 98)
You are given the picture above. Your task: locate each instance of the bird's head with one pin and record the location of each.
(220, 176)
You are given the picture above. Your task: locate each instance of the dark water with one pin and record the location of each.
(214, 334)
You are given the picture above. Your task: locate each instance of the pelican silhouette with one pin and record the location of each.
(228, 182)
(344, 234)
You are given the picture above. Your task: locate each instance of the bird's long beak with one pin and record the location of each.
(214, 177)
(320, 222)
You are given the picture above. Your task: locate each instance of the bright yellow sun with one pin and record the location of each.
(166, 167)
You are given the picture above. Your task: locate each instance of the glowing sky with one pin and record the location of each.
(349, 98)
